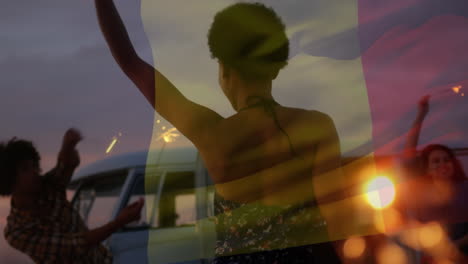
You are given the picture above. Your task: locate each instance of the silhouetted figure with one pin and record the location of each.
(437, 178)
(42, 223)
(270, 163)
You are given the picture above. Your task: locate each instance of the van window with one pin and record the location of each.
(149, 193)
(98, 198)
(174, 206)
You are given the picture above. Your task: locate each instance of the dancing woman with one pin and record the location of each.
(437, 168)
(270, 163)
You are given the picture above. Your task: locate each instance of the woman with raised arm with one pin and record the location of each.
(438, 173)
(271, 164)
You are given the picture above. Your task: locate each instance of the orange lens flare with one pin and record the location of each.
(380, 192)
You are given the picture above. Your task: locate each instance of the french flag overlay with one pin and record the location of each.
(365, 63)
(409, 49)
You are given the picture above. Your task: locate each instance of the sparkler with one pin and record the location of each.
(111, 146)
(115, 139)
(169, 136)
(455, 89)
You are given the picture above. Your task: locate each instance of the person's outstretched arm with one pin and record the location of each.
(413, 135)
(68, 159)
(189, 118)
(40, 243)
(129, 214)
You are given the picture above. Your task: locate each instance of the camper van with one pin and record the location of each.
(177, 221)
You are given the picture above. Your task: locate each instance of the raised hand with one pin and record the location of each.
(71, 138)
(131, 213)
(68, 156)
(423, 105)
(413, 134)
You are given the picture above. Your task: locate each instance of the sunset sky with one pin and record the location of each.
(57, 72)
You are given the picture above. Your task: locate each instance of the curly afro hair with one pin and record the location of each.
(12, 155)
(250, 38)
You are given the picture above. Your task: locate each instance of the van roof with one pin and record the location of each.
(139, 159)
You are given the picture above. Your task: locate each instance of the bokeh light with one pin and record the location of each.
(391, 254)
(354, 247)
(380, 192)
(430, 235)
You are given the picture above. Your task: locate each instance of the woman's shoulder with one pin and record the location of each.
(308, 115)
(320, 116)
(319, 122)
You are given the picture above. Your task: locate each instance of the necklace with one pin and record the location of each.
(269, 106)
(259, 101)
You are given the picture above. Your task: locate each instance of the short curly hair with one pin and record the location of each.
(12, 154)
(250, 38)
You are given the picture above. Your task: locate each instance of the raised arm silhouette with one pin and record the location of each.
(268, 161)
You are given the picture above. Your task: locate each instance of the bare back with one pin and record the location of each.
(250, 158)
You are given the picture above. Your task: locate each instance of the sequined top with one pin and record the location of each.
(266, 231)
(257, 233)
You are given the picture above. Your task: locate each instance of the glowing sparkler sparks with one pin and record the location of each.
(111, 146)
(169, 136)
(456, 89)
(115, 139)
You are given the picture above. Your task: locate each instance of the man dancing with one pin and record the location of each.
(42, 223)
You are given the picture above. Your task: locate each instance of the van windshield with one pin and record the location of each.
(98, 198)
(169, 203)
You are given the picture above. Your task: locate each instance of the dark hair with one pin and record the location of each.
(250, 38)
(459, 173)
(12, 155)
